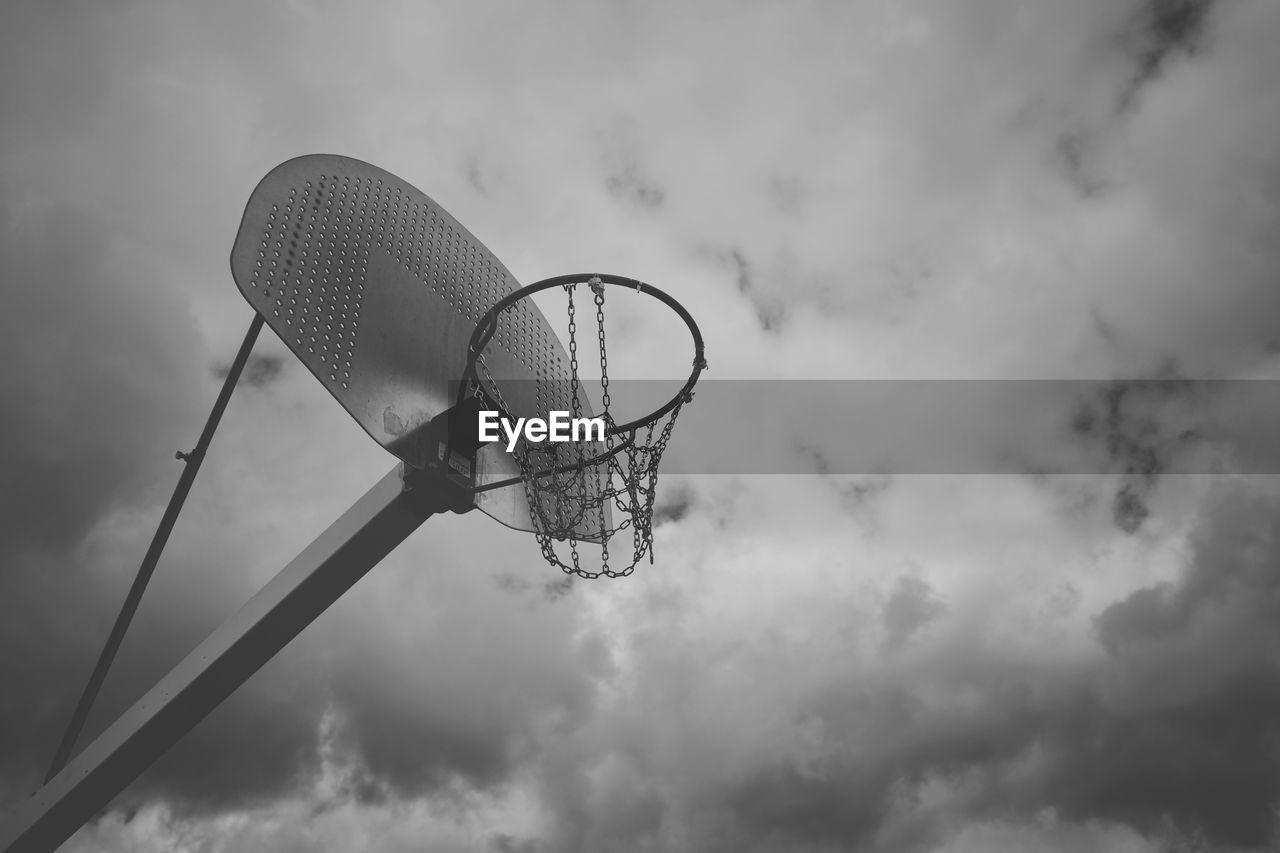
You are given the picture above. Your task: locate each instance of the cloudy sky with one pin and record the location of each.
(1051, 657)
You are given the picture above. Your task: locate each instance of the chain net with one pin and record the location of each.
(568, 484)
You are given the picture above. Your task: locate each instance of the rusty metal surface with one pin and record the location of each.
(376, 289)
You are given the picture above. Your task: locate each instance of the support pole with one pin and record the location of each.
(143, 577)
(328, 567)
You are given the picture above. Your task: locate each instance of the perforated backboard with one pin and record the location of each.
(377, 289)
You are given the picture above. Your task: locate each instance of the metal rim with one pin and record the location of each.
(487, 326)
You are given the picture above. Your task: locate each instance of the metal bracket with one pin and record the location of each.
(445, 486)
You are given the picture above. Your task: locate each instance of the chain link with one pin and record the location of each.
(560, 502)
(598, 288)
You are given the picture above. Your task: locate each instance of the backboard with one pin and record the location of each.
(377, 289)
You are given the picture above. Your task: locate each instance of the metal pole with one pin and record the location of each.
(130, 606)
(328, 567)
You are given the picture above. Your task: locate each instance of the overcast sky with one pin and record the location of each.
(941, 189)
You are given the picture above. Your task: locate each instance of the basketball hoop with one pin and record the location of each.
(570, 486)
(373, 287)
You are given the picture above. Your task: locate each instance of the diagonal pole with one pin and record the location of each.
(134, 598)
(374, 525)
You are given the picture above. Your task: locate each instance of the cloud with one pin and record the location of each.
(89, 368)
(1160, 30)
(260, 370)
(630, 186)
(798, 733)
(910, 607)
(1189, 691)
(673, 506)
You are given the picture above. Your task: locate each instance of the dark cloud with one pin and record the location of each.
(1129, 505)
(263, 370)
(559, 588)
(95, 388)
(97, 402)
(673, 504)
(911, 606)
(783, 807)
(1181, 722)
(769, 312)
(1208, 766)
(475, 177)
(503, 843)
(259, 372)
(629, 184)
(857, 493)
(1161, 30)
(1188, 723)
(1141, 427)
(1172, 729)
(1075, 152)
